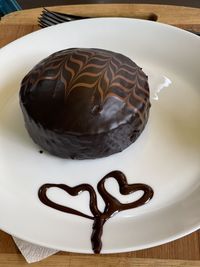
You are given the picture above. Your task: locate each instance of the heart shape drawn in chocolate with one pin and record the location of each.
(73, 191)
(112, 205)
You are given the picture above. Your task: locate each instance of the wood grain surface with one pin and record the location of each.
(182, 252)
(183, 17)
(37, 3)
(15, 260)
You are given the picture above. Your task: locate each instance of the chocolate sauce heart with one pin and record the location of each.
(73, 191)
(112, 205)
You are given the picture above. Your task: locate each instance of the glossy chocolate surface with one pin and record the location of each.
(112, 205)
(79, 95)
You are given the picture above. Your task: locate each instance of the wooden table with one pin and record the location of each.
(183, 252)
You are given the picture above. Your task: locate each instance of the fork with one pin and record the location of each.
(50, 18)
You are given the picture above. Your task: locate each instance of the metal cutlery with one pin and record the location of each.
(50, 18)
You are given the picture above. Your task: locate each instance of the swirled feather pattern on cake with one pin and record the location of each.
(85, 92)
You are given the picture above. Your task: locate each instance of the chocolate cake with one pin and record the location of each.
(85, 103)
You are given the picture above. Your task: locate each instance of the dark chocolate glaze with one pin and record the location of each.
(112, 205)
(85, 103)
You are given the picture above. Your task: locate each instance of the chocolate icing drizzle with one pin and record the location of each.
(112, 205)
(98, 77)
(85, 103)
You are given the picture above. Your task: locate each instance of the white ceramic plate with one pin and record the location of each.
(166, 156)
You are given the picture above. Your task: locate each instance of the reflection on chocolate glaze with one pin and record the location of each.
(112, 205)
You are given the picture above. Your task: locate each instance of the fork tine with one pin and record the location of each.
(49, 18)
(63, 15)
(49, 21)
(67, 16)
(43, 24)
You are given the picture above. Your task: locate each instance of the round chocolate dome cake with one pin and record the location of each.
(85, 103)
